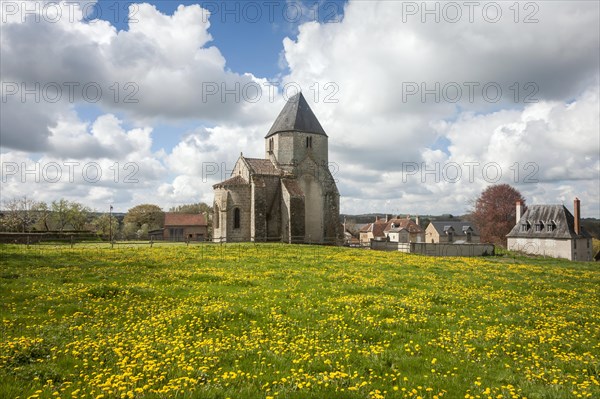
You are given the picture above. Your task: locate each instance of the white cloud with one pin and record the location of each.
(374, 127)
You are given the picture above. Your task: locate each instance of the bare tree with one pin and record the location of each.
(20, 214)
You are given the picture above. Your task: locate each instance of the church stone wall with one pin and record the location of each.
(227, 199)
(291, 146)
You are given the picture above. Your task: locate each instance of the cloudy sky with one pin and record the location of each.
(425, 104)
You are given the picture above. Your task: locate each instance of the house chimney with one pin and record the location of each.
(417, 220)
(519, 211)
(387, 217)
(576, 210)
(376, 219)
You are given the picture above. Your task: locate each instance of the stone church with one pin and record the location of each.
(290, 194)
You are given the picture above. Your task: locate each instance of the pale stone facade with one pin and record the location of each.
(451, 232)
(551, 230)
(290, 195)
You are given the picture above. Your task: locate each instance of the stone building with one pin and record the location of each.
(551, 230)
(396, 229)
(290, 194)
(182, 227)
(451, 232)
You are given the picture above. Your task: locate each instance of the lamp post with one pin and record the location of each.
(110, 223)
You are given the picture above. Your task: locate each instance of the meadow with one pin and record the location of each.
(280, 321)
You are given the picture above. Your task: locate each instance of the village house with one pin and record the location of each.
(551, 230)
(182, 227)
(398, 229)
(290, 194)
(451, 232)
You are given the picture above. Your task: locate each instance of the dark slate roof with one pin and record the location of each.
(460, 228)
(563, 219)
(232, 181)
(184, 219)
(262, 166)
(296, 115)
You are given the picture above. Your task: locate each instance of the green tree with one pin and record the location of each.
(102, 225)
(69, 213)
(149, 214)
(43, 216)
(199, 207)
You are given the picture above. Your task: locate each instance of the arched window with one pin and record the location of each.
(217, 216)
(236, 218)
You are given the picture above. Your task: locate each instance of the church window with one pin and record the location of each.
(309, 142)
(236, 218)
(270, 145)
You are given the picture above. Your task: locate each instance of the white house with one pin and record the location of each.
(551, 230)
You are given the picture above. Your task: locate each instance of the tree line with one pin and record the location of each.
(25, 215)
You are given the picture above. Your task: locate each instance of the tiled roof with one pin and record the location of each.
(262, 166)
(232, 181)
(293, 187)
(563, 220)
(377, 228)
(407, 224)
(184, 219)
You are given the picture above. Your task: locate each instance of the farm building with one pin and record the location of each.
(182, 227)
(551, 230)
(290, 194)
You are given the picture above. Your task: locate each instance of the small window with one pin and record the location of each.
(270, 145)
(309, 142)
(236, 218)
(450, 236)
(468, 236)
(550, 226)
(217, 216)
(539, 226)
(525, 226)
(574, 244)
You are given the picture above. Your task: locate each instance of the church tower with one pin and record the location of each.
(298, 144)
(290, 195)
(295, 135)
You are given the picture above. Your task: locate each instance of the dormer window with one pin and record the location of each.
(525, 226)
(539, 226)
(550, 226)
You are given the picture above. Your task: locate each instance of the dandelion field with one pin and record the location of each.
(280, 321)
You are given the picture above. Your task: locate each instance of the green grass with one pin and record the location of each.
(274, 320)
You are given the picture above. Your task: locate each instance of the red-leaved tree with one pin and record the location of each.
(494, 212)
